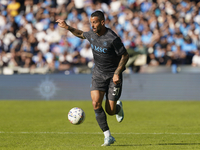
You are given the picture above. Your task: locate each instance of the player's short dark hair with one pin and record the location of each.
(98, 14)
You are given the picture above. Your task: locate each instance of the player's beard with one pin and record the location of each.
(97, 30)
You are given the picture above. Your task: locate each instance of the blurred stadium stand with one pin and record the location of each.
(161, 36)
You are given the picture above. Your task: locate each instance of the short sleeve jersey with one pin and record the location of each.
(107, 50)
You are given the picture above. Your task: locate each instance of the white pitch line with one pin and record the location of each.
(131, 133)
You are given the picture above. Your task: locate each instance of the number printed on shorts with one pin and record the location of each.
(116, 91)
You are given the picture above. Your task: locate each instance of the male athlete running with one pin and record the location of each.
(110, 58)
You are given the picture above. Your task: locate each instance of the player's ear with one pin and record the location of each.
(102, 22)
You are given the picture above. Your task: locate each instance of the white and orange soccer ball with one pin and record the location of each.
(76, 116)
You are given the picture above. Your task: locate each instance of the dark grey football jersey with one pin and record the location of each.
(107, 50)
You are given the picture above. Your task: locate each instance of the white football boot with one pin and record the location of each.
(120, 115)
(108, 140)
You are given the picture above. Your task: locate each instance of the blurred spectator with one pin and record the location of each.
(196, 59)
(39, 60)
(25, 46)
(33, 41)
(189, 48)
(13, 8)
(8, 38)
(29, 63)
(79, 5)
(64, 63)
(52, 35)
(4, 59)
(145, 6)
(178, 56)
(2, 22)
(43, 46)
(86, 53)
(159, 53)
(61, 2)
(61, 12)
(74, 16)
(146, 37)
(139, 51)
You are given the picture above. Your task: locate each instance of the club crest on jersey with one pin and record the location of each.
(105, 43)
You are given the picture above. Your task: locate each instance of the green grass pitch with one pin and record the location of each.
(148, 125)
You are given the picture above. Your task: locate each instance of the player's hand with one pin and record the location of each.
(62, 23)
(116, 79)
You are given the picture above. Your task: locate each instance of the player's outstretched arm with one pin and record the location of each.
(74, 31)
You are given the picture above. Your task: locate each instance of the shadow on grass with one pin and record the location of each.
(159, 144)
(178, 144)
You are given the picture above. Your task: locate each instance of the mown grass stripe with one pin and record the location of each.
(3, 132)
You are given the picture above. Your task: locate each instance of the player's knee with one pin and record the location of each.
(96, 105)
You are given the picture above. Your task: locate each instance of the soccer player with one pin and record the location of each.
(110, 58)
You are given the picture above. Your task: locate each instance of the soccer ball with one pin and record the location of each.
(76, 116)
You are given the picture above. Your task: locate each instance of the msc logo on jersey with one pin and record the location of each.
(99, 49)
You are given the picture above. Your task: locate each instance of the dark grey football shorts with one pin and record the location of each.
(104, 82)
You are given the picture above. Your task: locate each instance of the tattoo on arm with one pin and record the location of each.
(122, 63)
(76, 32)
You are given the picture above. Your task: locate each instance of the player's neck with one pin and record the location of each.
(102, 32)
